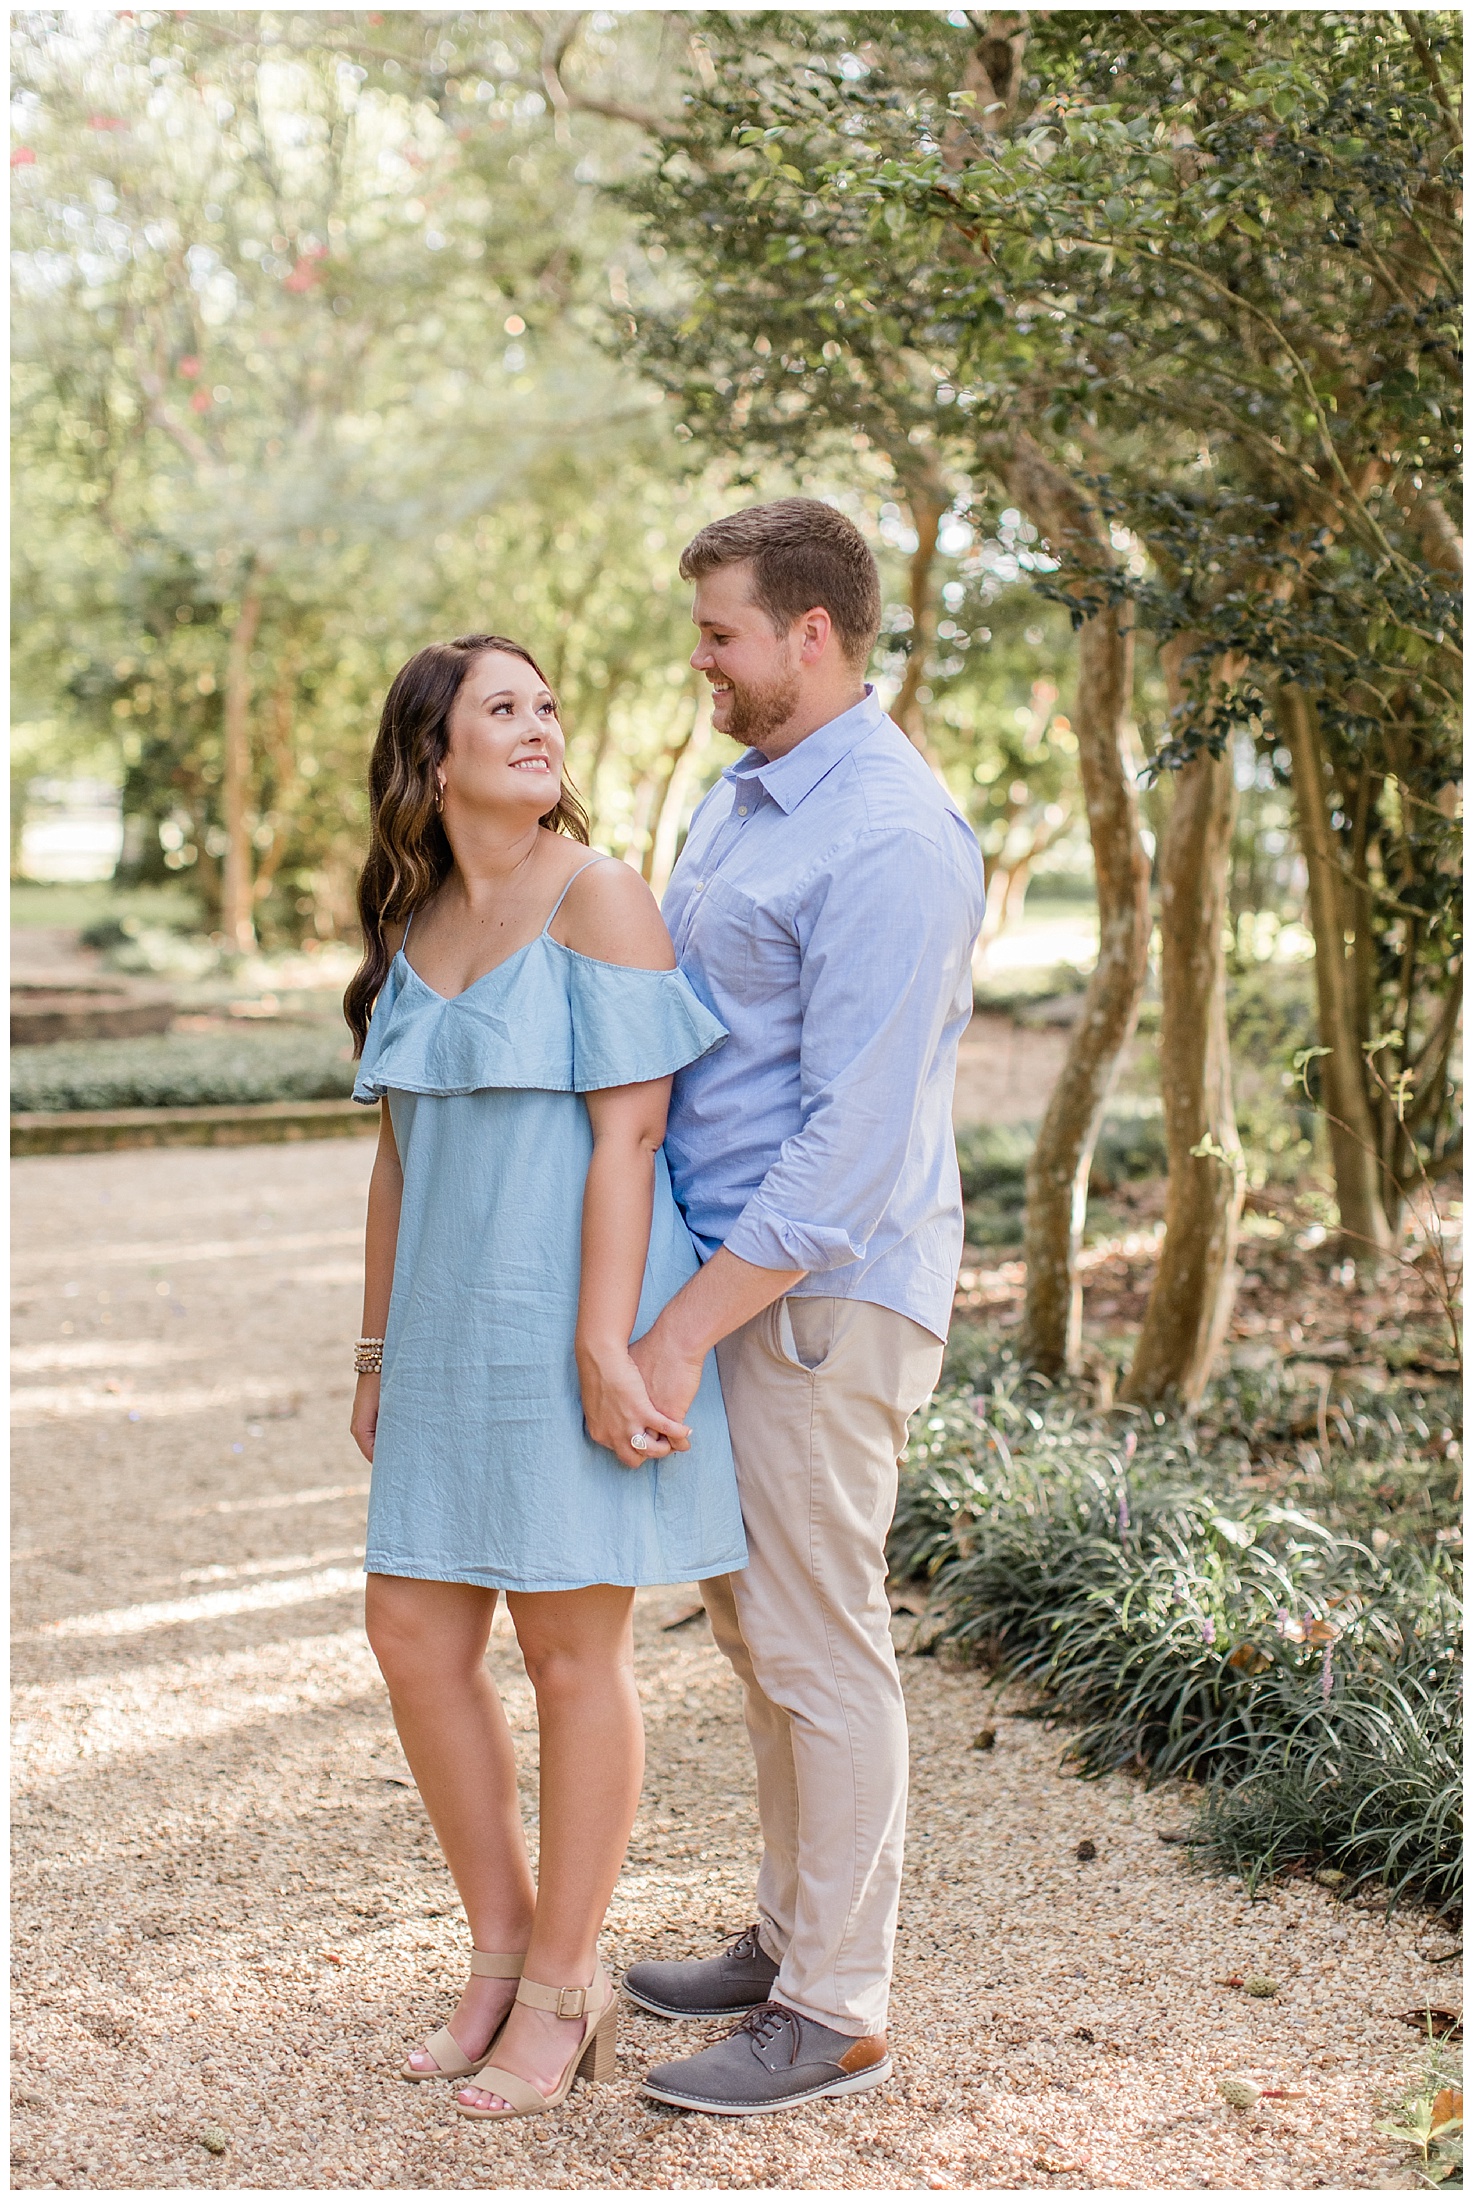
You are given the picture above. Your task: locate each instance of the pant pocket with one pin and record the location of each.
(806, 1330)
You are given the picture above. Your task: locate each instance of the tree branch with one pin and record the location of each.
(1430, 70)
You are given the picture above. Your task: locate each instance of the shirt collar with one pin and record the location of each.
(792, 778)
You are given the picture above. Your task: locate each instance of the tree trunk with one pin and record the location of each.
(281, 750)
(1364, 1230)
(675, 757)
(993, 78)
(1438, 539)
(1058, 1174)
(237, 919)
(1192, 1296)
(906, 710)
(1007, 883)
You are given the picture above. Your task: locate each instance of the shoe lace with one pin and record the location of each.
(746, 1945)
(766, 2023)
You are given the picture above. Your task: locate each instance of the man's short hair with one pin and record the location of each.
(802, 553)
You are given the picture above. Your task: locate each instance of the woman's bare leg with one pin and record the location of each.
(430, 1641)
(579, 1648)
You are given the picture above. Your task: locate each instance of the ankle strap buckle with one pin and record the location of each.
(572, 2001)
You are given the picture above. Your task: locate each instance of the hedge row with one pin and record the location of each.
(188, 1070)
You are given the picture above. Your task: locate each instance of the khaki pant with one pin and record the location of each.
(818, 1393)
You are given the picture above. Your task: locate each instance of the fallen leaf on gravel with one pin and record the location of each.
(1083, 2032)
(1330, 1877)
(1086, 1852)
(1238, 2092)
(985, 1738)
(936, 2181)
(1278, 2093)
(1235, 1980)
(1172, 1839)
(1447, 2110)
(1443, 2024)
(1052, 2168)
(213, 2139)
(330, 1958)
(1262, 1989)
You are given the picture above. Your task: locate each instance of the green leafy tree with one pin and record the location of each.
(1204, 261)
(810, 322)
(305, 375)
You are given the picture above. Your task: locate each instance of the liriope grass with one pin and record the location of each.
(1183, 1626)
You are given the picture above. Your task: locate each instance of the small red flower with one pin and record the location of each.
(189, 367)
(303, 276)
(23, 157)
(106, 122)
(201, 401)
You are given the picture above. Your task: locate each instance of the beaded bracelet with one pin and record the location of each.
(368, 1355)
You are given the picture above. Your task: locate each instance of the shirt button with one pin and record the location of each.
(742, 811)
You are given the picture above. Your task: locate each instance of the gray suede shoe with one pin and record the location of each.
(774, 2060)
(739, 1979)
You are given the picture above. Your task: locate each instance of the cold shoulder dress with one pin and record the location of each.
(483, 1470)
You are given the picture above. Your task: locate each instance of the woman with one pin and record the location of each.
(521, 1230)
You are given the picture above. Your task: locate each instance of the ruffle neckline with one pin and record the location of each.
(546, 1020)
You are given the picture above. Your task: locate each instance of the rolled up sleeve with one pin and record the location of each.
(886, 936)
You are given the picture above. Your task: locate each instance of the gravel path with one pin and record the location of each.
(231, 1917)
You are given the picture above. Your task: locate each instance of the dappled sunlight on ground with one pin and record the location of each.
(232, 1917)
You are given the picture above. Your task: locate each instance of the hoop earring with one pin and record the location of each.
(439, 797)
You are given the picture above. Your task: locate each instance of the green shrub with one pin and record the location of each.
(1013, 991)
(190, 1070)
(994, 1158)
(1188, 1628)
(155, 950)
(1131, 1144)
(994, 1164)
(1271, 1012)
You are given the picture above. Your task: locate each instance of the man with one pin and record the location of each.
(825, 907)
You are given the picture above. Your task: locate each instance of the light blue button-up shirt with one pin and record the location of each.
(825, 907)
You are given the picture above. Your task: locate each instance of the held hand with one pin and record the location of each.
(617, 1406)
(669, 1374)
(364, 1423)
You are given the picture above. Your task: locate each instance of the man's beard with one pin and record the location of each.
(759, 711)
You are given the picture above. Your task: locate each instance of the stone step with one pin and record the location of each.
(265, 1122)
(42, 1014)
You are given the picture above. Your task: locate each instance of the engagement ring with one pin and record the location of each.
(639, 1441)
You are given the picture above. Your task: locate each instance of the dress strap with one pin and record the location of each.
(562, 897)
(404, 942)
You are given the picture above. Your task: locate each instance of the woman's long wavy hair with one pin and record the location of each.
(408, 854)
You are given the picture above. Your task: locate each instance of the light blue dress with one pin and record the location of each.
(483, 1471)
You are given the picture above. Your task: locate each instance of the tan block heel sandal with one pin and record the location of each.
(592, 2059)
(450, 2057)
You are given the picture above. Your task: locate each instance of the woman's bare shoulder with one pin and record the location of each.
(611, 916)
